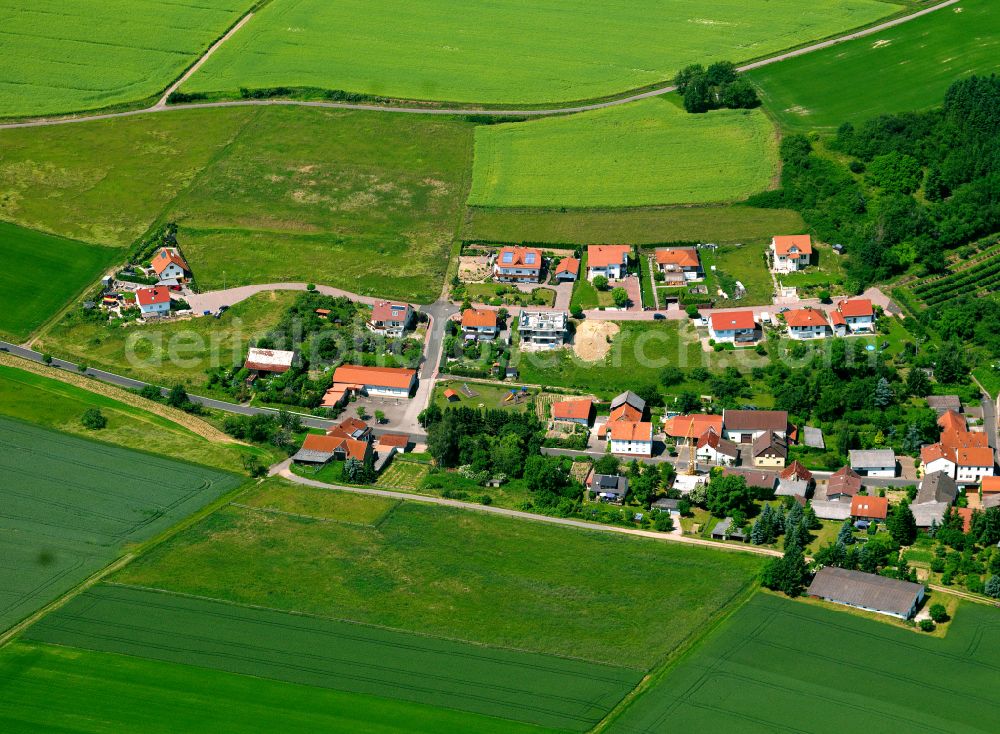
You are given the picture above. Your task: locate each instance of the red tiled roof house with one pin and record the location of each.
(790, 253)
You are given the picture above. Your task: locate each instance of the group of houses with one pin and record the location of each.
(350, 439)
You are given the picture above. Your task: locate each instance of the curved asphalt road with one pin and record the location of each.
(161, 106)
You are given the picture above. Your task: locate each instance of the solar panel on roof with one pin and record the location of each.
(530, 258)
(508, 257)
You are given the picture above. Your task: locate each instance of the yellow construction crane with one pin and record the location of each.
(692, 468)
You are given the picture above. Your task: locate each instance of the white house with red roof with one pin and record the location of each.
(611, 261)
(738, 327)
(518, 264)
(170, 266)
(679, 264)
(807, 323)
(631, 438)
(853, 316)
(479, 324)
(790, 253)
(153, 301)
(937, 457)
(972, 464)
(391, 318)
(568, 270)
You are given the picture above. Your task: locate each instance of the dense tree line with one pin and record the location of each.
(949, 155)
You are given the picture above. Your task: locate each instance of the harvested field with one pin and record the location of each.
(593, 339)
(537, 689)
(70, 506)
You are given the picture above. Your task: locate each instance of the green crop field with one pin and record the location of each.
(535, 689)
(70, 505)
(56, 405)
(61, 56)
(652, 225)
(277, 495)
(54, 688)
(460, 574)
(902, 69)
(770, 666)
(514, 51)
(645, 153)
(42, 273)
(172, 352)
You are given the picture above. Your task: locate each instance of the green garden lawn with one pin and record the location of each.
(906, 68)
(459, 574)
(48, 686)
(41, 274)
(645, 153)
(769, 668)
(509, 51)
(61, 56)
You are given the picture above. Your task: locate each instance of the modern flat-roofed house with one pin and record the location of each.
(390, 382)
(170, 266)
(269, 361)
(611, 261)
(844, 483)
(568, 270)
(876, 463)
(608, 488)
(679, 265)
(745, 426)
(972, 464)
(629, 438)
(391, 319)
(713, 449)
(518, 264)
(867, 591)
(573, 411)
(869, 508)
(938, 458)
(807, 323)
(853, 316)
(153, 301)
(769, 451)
(790, 253)
(479, 324)
(738, 327)
(542, 329)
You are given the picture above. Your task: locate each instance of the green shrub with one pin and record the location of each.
(93, 419)
(927, 625)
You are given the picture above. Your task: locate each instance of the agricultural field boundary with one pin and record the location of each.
(540, 689)
(402, 108)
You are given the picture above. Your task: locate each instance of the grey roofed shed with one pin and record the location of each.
(873, 459)
(929, 513)
(991, 500)
(792, 488)
(307, 456)
(755, 477)
(937, 487)
(943, 403)
(867, 591)
(831, 510)
(813, 437)
(631, 398)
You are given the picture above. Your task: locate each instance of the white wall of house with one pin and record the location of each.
(517, 273)
(808, 332)
(709, 455)
(860, 323)
(632, 448)
(389, 392)
(875, 471)
(972, 474)
(155, 308)
(948, 467)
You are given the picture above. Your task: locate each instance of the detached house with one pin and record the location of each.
(518, 264)
(790, 253)
(479, 324)
(738, 327)
(608, 488)
(153, 301)
(870, 508)
(807, 323)
(844, 483)
(679, 264)
(543, 329)
(170, 266)
(390, 319)
(769, 451)
(630, 438)
(746, 426)
(853, 316)
(938, 458)
(568, 270)
(611, 261)
(713, 449)
(972, 464)
(627, 407)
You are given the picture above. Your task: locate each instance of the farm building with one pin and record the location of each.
(269, 361)
(573, 411)
(943, 403)
(518, 264)
(611, 261)
(738, 327)
(807, 323)
(170, 266)
(320, 449)
(755, 478)
(830, 510)
(568, 270)
(796, 471)
(790, 253)
(793, 488)
(867, 591)
(679, 264)
(769, 451)
(875, 463)
(450, 395)
(685, 426)
(990, 485)
(929, 514)
(390, 382)
(153, 301)
(746, 426)
(629, 438)
(813, 437)
(627, 407)
(843, 483)
(937, 487)
(479, 324)
(391, 319)
(392, 442)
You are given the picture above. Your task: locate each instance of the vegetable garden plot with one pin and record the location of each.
(67, 506)
(540, 689)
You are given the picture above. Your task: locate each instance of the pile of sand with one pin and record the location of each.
(592, 342)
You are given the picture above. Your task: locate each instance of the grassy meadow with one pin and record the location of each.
(649, 225)
(773, 660)
(42, 273)
(901, 69)
(646, 153)
(511, 51)
(46, 686)
(71, 505)
(459, 574)
(61, 56)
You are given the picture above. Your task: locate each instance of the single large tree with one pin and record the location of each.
(901, 524)
(725, 494)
